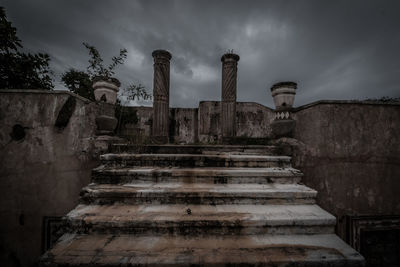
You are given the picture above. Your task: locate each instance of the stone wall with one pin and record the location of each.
(46, 158)
(253, 120)
(139, 123)
(202, 124)
(351, 156)
(349, 152)
(183, 125)
(209, 121)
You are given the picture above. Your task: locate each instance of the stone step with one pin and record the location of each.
(194, 160)
(194, 149)
(219, 175)
(245, 250)
(201, 219)
(206, 194)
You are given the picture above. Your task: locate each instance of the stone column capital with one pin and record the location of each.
(230, 57)
(284, 94)
(161, 55)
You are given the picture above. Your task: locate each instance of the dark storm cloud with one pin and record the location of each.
(334, 50)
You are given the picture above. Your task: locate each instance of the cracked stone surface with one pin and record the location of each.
(222, 205)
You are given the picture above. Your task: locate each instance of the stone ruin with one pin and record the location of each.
(208, 204)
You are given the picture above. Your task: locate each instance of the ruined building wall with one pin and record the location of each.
(43, 172)
(253, 120)
(140, 122)
(183, 125)
(351, 156)
(202, 125)
(209, 121)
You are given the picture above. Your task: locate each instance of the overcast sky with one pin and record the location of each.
(332, 49)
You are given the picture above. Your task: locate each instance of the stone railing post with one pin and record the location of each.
(105, 91)
(228, 94)
(283, 94)
(161, 95)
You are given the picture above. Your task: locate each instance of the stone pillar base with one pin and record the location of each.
(106, 125)
(159, 140)
(102, 144)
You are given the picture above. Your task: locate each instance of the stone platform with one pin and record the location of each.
(198, 205)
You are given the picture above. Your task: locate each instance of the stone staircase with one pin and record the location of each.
(198, 205)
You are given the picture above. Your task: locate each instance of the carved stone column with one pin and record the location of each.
(228, 96)
(161, 95)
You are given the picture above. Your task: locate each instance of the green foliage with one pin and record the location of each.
(9, 40)
(79, 82)
(137, 92)
(96, 67)
(125, 114)
(20, 70)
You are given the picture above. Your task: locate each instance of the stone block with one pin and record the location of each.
(283, 128)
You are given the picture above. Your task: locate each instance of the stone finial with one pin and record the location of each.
(283, 94)
(106, 90)
(228, 94)
(161, 95)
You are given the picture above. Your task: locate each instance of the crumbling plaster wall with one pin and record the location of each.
(351, 156)
(43, 173)
(252, 120)
(142, 123)
(183, 125)
(209, 121)
(202, 125)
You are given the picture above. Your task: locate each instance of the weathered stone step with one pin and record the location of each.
(194, 160)
(195, 149)
(201, 219)
(245, 250)
(206, 194)
(220, 175)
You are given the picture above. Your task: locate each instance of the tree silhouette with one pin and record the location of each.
(20, 70)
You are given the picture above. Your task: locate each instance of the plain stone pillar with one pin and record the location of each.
(161, 95)
(228, 94)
